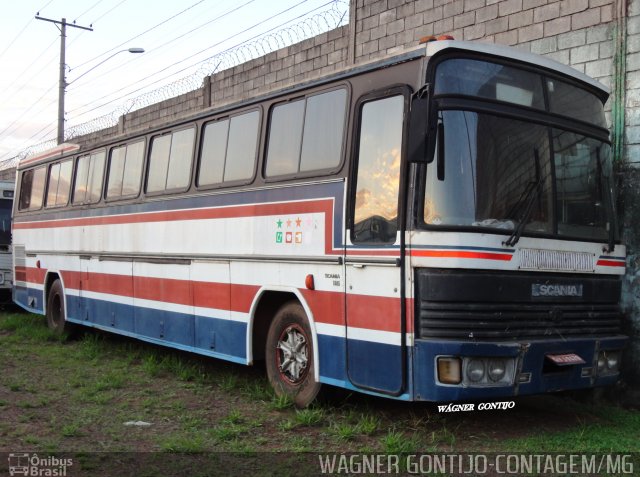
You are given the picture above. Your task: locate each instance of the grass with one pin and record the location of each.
(60, 394)
(28, 326)
(610, 430)
(397, 442)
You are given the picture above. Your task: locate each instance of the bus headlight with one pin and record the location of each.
(613, 360)
(602, 363)
(609, 362)
(497, 370)
(449, 370)
(475, 370)
(488, 371)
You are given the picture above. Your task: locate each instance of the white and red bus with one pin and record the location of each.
(438, 225)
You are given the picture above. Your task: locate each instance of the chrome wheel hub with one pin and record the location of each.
(293, 354)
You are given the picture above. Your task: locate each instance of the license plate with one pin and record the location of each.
(566, 359)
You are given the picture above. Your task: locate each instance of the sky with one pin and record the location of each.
(183, 38)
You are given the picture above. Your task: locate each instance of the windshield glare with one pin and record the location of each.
(495, 167)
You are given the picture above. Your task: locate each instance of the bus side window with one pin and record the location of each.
(125, 170)
(32, 189)
(170, 161)
(229, 148)
(306, 135)
(88, 181)
(59, 184)
(378, 178)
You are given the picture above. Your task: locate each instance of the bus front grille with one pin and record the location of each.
(501, 321)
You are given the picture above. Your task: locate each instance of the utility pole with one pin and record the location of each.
(62, 82)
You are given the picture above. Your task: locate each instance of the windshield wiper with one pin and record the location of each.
(529, 200)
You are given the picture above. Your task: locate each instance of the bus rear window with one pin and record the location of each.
(32, 189)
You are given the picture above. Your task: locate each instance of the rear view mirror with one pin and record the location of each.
(418, 123)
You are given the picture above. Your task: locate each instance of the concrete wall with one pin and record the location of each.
(598, 37)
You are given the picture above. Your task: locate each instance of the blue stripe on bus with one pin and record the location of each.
(211, 336)
(23, 296)
(218, 338)
(375, 365)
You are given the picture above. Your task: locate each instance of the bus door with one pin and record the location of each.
(106, 292)
(375, 336)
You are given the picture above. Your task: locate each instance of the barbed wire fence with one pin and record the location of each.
(321, 22)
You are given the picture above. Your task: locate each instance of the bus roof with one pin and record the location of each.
(434, 47)
(60, 150)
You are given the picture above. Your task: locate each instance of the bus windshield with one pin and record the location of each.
(500, 171)
(5, 221)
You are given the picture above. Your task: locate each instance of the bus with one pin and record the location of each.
(6, 262)
(437, 225)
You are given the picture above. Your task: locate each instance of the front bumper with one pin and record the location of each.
(533, 374)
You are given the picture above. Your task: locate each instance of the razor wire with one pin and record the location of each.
(321, 22)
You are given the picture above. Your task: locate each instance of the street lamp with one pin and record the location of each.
(64, 84)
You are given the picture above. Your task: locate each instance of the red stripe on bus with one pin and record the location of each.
(373, 312)
(461, 254)
(254, 210)
(327, 307)
(30, 274)
(365, 311)
(609, 263)
(221, 296)
(242, 297)
(409, 314)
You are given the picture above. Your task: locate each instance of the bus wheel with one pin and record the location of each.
(55, 310)
(289, 356)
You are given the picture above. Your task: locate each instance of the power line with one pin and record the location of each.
(8, 88)
(42, 133)
(107, 12)
(168, 42)
(22, 31)
(36, 102)
(62, 84)
(201, 51)
(88, 10)
(243, 53)
(139, 35)
(190, 66)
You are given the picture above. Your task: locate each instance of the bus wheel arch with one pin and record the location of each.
(278, 311)
(55, 304)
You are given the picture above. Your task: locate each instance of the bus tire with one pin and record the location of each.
(289, 356)
(55, 310)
